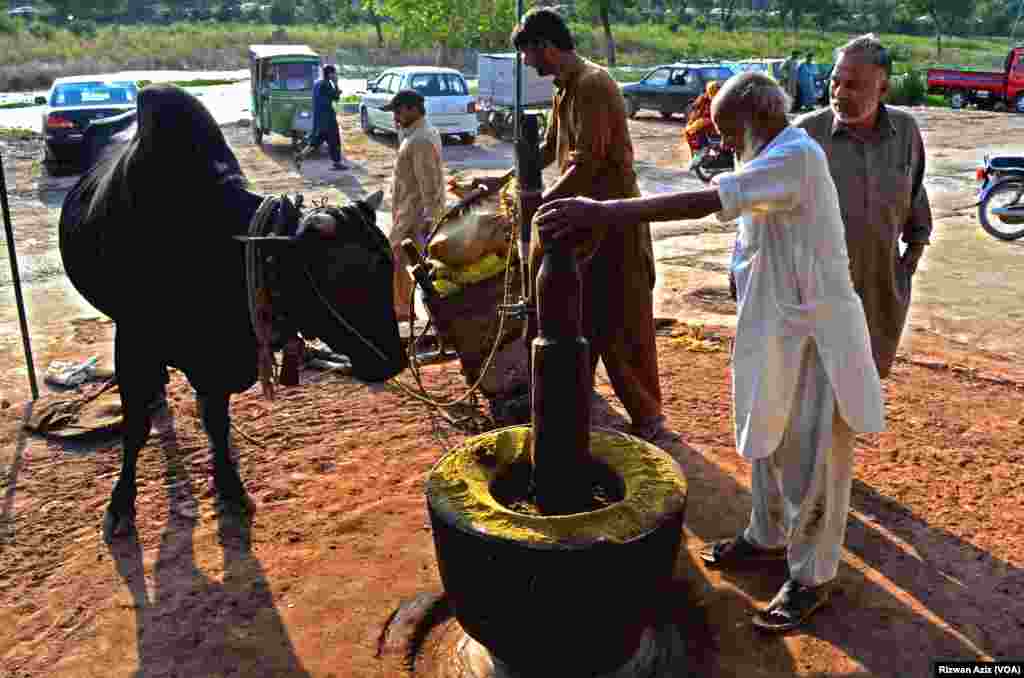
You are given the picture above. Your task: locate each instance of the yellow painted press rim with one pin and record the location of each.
(459, 486)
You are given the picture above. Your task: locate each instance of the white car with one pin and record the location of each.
(451, 110)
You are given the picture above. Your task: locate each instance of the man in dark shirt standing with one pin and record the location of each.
(876, 156)
(325, 120)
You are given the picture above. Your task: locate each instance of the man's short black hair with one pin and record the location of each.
(328, 69)
(542, 26)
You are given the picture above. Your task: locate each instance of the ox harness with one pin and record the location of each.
(272, 275)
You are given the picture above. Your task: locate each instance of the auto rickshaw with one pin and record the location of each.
(282, 78)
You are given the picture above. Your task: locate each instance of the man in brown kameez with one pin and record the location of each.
(589, 138)
(876, 157)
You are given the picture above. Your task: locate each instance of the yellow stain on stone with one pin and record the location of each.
(654, 487)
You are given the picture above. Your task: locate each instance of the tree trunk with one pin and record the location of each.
(376, 24)
(608, 39)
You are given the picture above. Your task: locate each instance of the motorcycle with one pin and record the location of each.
(999, 199)
(713, 159)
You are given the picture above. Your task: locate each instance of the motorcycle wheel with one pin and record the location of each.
(704, 174)
(1006, 194)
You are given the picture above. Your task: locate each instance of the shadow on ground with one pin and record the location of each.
(928, 615)
(188, 618)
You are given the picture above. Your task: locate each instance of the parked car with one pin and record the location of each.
(451, 109)
(105, 136)
(71, 104)
(986, 89)
(671, 88)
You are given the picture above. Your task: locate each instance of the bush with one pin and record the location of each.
(84, 28)
(909, 89)
(282, 12)
(8, 25)
(41, 30)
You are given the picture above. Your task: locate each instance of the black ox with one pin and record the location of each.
(151, 236)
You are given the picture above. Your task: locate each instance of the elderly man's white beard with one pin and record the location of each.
(752, 145)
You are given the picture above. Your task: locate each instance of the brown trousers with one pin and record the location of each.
(618, 316)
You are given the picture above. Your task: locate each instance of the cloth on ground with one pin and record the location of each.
(76, 414)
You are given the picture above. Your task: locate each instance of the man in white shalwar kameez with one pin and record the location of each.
(804, 380)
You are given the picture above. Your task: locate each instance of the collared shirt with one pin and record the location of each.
(880, 178)
(417, 185)
(589, 129)
(793, 283)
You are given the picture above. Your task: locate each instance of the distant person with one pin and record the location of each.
(325, 120)
(698, 123)
(805, 83)
(417, 188)
(790, 75)
(876, 156)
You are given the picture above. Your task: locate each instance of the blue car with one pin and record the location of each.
(671, 88)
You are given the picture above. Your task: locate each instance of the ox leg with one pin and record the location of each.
(213, 409)
(120, 516)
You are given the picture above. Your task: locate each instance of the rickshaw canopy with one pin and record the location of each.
(257, 52)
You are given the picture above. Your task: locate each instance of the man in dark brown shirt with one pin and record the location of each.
(876, 157)
(589, 138)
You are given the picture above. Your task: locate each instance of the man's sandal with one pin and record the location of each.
(792, 606)
(737, 551)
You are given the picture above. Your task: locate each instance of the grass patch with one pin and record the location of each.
(187, 83)
(18, 134)
(18, 104)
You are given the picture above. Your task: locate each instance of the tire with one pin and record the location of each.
(468, 139)
(257, 135)
(957, 100)
(703, 174)
(667, 115)
(364, 122)
(630, 108)
(993, 224)
(1018, 104)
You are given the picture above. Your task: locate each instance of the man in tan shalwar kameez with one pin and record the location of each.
(589, 138)
(417, 188)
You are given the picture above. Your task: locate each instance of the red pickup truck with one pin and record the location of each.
(986, 90)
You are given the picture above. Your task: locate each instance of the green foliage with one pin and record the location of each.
(908, 89)
(451, 23)
(83, 28)
(9, 25)
(42, 30)
(282, 12)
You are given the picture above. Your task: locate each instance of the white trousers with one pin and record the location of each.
(801, 492)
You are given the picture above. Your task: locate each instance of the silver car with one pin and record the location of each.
(451, 110)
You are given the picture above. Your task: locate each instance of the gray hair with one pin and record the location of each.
(869, 48)
(755, 93)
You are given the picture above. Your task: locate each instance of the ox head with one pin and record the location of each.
(332, 276)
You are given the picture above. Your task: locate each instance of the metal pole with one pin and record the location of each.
(517, 102)
(16, 279)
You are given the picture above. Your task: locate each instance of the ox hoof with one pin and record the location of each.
(117, 524)
(230, 489)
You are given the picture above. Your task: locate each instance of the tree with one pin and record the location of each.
(602, 10)
(450, 24)
(945, 14)
(374, 10)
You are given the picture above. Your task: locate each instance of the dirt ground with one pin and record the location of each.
(340, 535)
